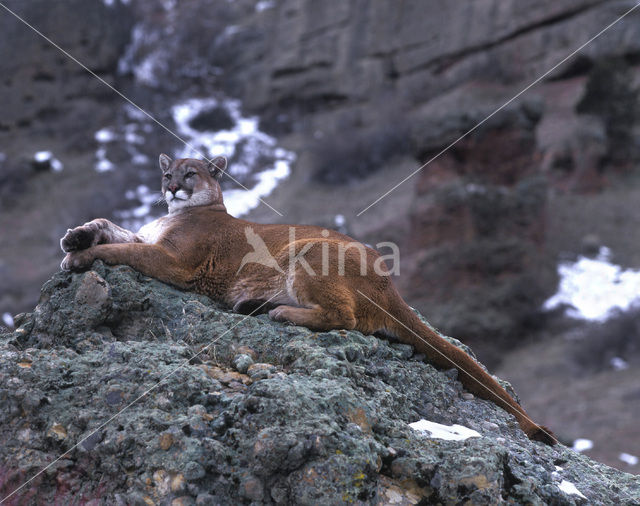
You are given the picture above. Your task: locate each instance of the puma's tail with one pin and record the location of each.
(406, 325)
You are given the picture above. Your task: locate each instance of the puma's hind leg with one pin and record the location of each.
(315, 317)
(322, 304)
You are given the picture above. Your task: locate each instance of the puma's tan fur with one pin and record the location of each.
(199, 247)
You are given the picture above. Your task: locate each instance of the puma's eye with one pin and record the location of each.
(189, 174)
(167, 177)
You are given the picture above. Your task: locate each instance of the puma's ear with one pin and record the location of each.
(217, 166)
(165, 161)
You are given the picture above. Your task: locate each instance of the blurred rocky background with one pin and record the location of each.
(326, 106)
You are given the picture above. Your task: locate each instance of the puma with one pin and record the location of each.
(199, 247)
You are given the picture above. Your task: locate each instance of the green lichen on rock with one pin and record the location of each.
(160, 395)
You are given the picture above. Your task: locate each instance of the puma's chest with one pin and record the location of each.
(151, 232)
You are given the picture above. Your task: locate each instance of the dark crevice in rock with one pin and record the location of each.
(43, 76)
(319, 32)
(579, 65)
(292, 71)
(509, 480)
(632, 58)
(441, 64)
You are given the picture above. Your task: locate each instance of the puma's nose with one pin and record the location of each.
(173, 188)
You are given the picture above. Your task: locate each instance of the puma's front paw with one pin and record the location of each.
(280, 314)
(78, 238)
(77, 261)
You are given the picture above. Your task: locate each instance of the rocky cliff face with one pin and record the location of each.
(50, 104)
(127, 391)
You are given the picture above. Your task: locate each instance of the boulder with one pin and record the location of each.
(119, 389)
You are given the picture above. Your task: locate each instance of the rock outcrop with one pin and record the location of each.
(123, 390)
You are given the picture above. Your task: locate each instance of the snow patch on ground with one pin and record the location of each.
(264, 5)
(47, 156)
(632, 460)
(131, 134)
(139, 215)
(8, 319)
(105, 135)
(241, 201)
(146, 70)
(582, 445)
(448, 432)
(594, 287)
(111, 3)
(569, 488)
(103, 164)
(243, 144)
(565, 485)
(619, 364)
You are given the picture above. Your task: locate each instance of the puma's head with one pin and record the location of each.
(187, 182)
